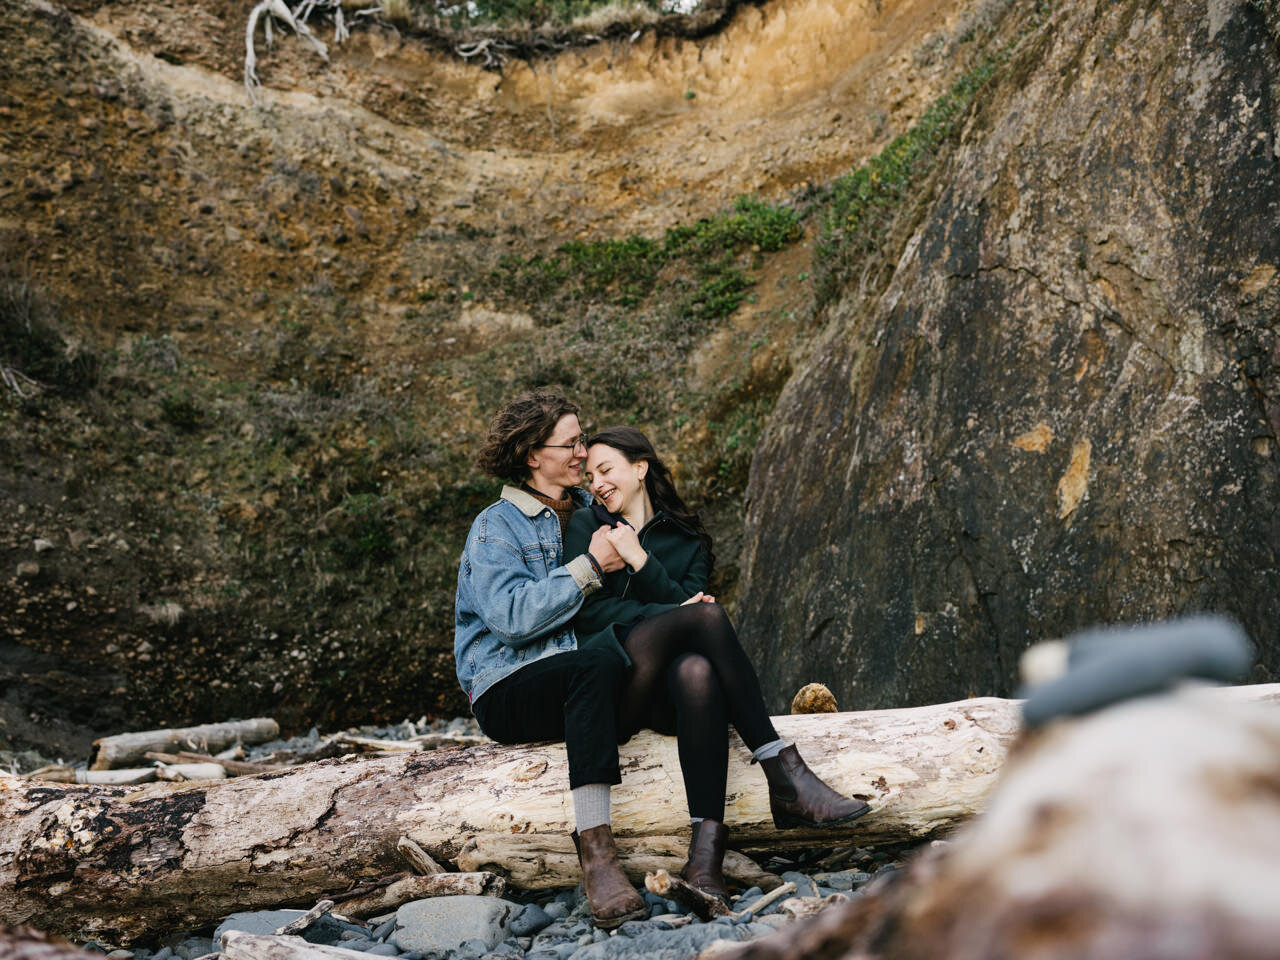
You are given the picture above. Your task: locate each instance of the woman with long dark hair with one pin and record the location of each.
(688, 675)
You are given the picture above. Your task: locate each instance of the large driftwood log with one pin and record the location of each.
(1149, 831)
(120, 863)
(124, 749)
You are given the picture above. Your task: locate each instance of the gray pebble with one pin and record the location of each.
(544, 954)
(383, 950)
(473, 948)
(751, 892)
(411, 955)
(632, 928)
(530, 919)
(578, 929)
(164, 953)
(586, 938)
(360, 943)
(673, 907)
(556, 910)
(120, 955)
(657, 909)
(567, 950)
(384, 930)
(652, 899)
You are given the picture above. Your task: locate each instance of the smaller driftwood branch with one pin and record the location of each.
(124, 749)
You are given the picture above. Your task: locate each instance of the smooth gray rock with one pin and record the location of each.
(383, 950)
(557, 910)
(1112, 664)
(531, 919)
(999, 462)
(445, 923)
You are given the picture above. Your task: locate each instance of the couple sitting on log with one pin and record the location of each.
(587, 622)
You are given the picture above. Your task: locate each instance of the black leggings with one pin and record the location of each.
(692, 678)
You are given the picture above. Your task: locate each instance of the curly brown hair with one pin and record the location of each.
(521, 425)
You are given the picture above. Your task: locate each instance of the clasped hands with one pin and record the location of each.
(618, 546)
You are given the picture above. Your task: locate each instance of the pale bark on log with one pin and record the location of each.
(417, 858)
(126, 748)
(234, 768)
(402, 891)
(238, 945)
(120, 863)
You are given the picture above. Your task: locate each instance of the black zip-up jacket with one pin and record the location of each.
(677, 568)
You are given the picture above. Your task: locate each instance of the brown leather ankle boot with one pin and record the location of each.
(798, 798)
(612, 897)
(704, 868)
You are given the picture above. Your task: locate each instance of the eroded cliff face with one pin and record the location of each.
(1064, 408)
(301, 322)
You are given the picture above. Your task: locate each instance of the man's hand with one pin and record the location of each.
(624, 540)
(604, 552)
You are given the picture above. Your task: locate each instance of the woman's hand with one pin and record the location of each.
(699, 597)
(627, 543)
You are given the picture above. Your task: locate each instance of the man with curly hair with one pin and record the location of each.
(517, 657)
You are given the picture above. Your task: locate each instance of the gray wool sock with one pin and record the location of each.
(769, 750)
(591, 805)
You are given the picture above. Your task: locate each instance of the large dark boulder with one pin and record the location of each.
(1063, 410)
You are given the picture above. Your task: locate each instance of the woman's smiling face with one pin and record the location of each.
(614, 480)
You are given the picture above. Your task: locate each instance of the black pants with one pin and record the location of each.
(570, 696)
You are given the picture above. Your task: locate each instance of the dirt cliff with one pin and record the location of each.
(265, 337)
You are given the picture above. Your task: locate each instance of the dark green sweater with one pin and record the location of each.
(677, 568)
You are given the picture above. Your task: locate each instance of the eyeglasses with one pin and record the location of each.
(579, 441)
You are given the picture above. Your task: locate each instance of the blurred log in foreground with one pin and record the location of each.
(24, 944)
(1149, 831)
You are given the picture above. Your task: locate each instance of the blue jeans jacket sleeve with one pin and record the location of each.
(509, 584)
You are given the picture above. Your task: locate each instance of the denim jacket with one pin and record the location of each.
(516, 594)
